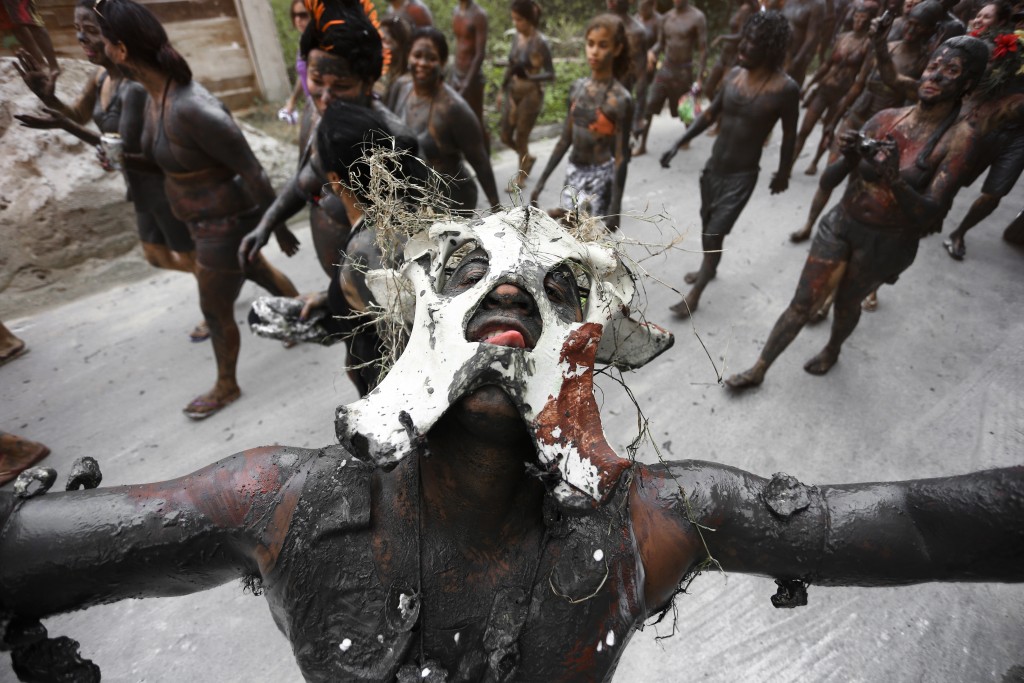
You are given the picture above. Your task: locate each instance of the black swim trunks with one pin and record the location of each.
(722, 198)
(1008, 164)
(883, 252)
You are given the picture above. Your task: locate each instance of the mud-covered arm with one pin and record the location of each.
(479, 49)
(43, 83)
(905, 85)
(288, 203)
(699, 125)
(815, 17)
(65, 551)
(562, 146)
(469, 139)
(222, 139)
(858, 87)
(789, 115)
(961, 528)
(702, 48)
(540, 60)
(622, 156)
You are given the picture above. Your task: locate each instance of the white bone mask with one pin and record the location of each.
(550, 384)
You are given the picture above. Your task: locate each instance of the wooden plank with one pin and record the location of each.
(209, 34)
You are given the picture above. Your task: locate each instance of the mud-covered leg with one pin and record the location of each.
(858, 283)
(1014, 232)
(708, 269)
(817, 281)
(218, 290)
(981, 209)
(269, 278)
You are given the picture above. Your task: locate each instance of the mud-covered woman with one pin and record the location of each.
(213, 181)
(446, 129)
(116, 105)
(521, 97)
(344, 54)
(347, 135)
(904, 169)
(597, 127)
(395, 34)
(997, 111)
(871, 94)
(833, 80)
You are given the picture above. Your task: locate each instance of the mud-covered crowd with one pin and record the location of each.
(916, 100)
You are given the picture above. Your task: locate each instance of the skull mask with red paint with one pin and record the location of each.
(550, 380)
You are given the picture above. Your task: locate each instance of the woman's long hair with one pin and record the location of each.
(132, 25)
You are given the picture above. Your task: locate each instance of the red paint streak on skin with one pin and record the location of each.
(227, 492)
(668, 547)
(574, 415)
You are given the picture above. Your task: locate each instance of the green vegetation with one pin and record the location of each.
(562, 22)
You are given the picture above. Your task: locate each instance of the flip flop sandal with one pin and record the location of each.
(201, 407)
(7, 475)
(17, 353)
(199, 333)
(956, 251)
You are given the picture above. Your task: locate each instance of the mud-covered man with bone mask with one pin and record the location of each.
(474, 523)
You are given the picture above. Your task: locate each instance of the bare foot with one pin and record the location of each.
(202, 407)
(745, 380)
(18, 454)
(639, 151)
(685, 308)
(800, 235)
(870, 302)
(811, 170)
(822, 363)
(691, 277)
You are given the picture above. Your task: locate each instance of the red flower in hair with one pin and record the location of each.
(1005, 44)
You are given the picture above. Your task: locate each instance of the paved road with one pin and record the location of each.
(929, 385)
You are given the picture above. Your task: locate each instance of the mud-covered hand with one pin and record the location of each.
(39, 79)
(667, 157)
(253, 243)
(101, 156)
(311, 303)
(779, 183)
(878, 31)
(884, 157)
(287, 240)
(48, 120)
(849, 144)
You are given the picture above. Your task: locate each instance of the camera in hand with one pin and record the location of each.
(869, 147)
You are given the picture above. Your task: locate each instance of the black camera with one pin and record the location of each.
(869, 147)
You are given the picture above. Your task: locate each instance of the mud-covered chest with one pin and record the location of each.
(566, 611)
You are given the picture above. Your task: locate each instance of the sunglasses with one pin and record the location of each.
(96, 7)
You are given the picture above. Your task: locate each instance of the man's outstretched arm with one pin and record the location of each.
(64, 551)
(962, 528)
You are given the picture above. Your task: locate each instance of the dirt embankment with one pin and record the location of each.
(64, 222)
